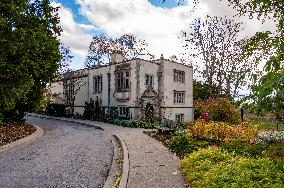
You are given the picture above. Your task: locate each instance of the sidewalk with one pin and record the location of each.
(151, 165)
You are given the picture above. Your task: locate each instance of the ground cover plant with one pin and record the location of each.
(219, 154)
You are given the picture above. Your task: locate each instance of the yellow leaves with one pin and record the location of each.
(221, 131)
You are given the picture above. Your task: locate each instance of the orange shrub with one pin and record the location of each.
(246, 133)
(221, 131)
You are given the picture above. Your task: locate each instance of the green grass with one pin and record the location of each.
(269, 125)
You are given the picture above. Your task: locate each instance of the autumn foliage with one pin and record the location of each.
(219, 110)
(222, 132)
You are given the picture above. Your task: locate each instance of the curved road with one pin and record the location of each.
(68, 155)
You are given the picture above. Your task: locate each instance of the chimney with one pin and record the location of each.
(116, 58)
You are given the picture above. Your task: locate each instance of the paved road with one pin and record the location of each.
(68, 155)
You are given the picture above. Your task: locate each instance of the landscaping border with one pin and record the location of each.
(23, 141)
(64, 119)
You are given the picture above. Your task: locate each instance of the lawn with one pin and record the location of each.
(269, 125)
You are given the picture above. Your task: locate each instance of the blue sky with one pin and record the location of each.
(160, 24)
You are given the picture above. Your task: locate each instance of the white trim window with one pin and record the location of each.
(179, 117)
(149, 80)
(179, 76)
(179, 97)
(98, 84)
(122, 80)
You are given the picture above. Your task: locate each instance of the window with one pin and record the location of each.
(179, 97)
(149, 80)
(179, 117)
(68, 91)
(179, 76)
(124, 111)
(98, 84)
(122, 80)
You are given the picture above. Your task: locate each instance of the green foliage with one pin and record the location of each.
(123, 123)
(93, 111)
(201, 90)
(1, 119)
(99, 114)
(185, 145)
(218, 109)
(143, 124)
(268, 88)
(54, 109)
(89, 109)
(212, 167)
(134, 123)
(29, 54)
(239, 147)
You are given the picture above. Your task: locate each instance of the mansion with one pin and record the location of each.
(166, 85)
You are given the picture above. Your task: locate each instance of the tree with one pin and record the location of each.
(213, 44)
(72, 83)
(29, 54)
(201, 90)
(128, 46)
(267, 89)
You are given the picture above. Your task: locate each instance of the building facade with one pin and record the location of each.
(128, 85)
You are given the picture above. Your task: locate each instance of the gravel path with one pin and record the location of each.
(68, 155)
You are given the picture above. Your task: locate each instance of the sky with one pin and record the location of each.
(160, 24)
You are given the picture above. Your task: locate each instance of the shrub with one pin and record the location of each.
(271, 136)
(195, 165)
(1, 119)
(222, 132)
(239, 147)
(245, 172)
(123, 123)
(275, 151)
(54, 109)
(89, 110)
(218, 109)
(212, 167)
(183, 144)
(143, 124)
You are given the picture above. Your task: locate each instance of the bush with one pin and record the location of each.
(123, 123)
(218, 109)
(239, 147)
(195, 165)
(213, 168)
(222, 132)
(89, 110)
(271, 136)
(54, 109)
(143, 124)
(183, 144)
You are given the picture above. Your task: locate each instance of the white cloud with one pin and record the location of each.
(159, 26)
(223, 8)
(74, 35)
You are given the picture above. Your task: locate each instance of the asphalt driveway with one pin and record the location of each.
(68, 155)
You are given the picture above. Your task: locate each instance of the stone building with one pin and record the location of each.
(127, 85)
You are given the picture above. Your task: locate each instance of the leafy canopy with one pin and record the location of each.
(268, 86)
(29, 53)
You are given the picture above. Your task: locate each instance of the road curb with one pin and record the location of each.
(23, 141)
(65, 119)
(125, 168)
